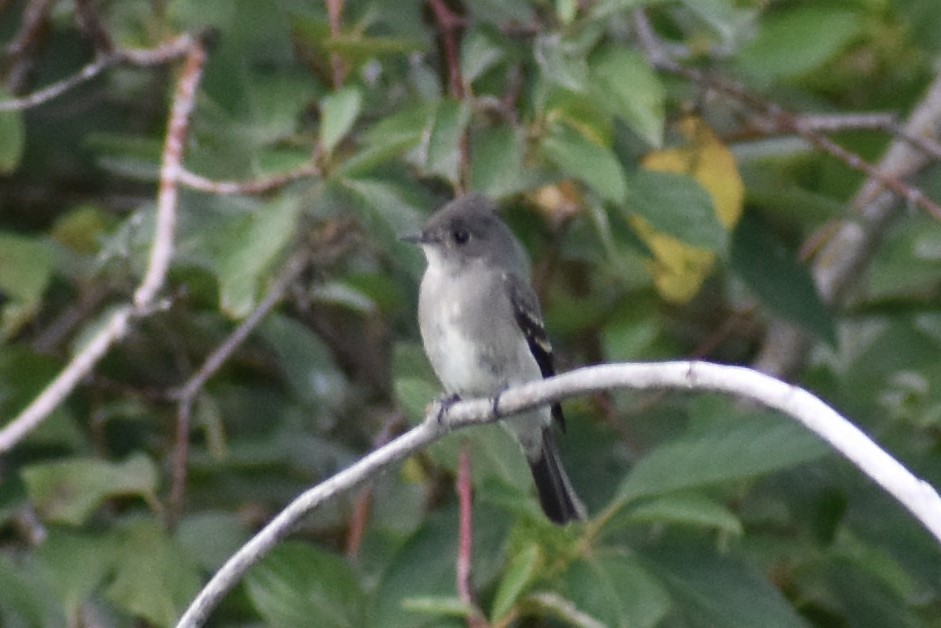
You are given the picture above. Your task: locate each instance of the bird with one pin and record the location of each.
(483, 331)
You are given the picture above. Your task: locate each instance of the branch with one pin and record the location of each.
(257, 186)
(334, 16)
(848, 251)
(915, 495)
(187, 393)
(450, 26)
(782, 119)
(465, 544)
(117, 324)
(18, 59)
(162, 248)
(89, 21)
(141, 57)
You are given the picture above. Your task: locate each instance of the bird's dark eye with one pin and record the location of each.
(461, 236)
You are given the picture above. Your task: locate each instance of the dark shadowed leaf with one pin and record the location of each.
(155, 578)
(780, 281)
(69, 491)
(77, 563)
(12, 137)
(301, 585)
(617, 590)
(26, 266)
(711, 590)
(795, 41)
(722, 454)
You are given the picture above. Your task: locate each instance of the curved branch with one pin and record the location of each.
(916, 495)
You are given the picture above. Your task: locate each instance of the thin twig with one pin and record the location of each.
(782, 119)
(916, 495)
(65, 382)
(335, 15)
(186, 394)
(140, 57)
(358, 520)
(360, 517)
(257, 186)
(89, 20)
(449, 26)
(19, 56)
(161, 250)
(117, 323)
(465, 542)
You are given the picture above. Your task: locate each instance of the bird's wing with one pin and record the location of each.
(529, 320)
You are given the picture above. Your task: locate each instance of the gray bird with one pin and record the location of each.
(483, 332)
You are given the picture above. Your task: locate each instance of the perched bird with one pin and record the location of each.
(483, 331)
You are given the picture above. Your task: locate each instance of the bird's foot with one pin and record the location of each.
(495, 402)
(444, 403)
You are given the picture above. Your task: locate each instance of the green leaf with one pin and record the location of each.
(519, 573)
(867, 600)
(710, 590)
(387, 139)
(480, 51)
(301, 585)
(624, 81)
(12, 137)
(136, 158)
(338, 112)
(617, 590)
(71, 490)
(796, 41)
(443, 150)
(725, 454)
(211, 537)
(77, 564)
(443, 605)
(561, 63)
(25, 595)
(245, 251)
(154, 577)
(357, 49)
(595, 165)
(728, 18)
(678, 206)
(389, 213)
(305, 361)
(779, 281)
(604, 9)
(416, 394)
(497, 161)
(26, 266)
(686, 509)
(417, 568)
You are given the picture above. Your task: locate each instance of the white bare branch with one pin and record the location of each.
(917, 496)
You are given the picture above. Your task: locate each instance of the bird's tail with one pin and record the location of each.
(556, 495)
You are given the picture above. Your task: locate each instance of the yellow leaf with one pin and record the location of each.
(679, 269)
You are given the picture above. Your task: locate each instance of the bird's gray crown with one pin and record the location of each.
(469, 228)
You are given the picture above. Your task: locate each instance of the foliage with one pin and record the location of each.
(704, 513)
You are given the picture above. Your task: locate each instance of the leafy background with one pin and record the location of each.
(664, 221)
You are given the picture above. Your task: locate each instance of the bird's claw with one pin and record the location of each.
(444, 404)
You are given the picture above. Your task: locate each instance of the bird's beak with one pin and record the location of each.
(415, 238)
